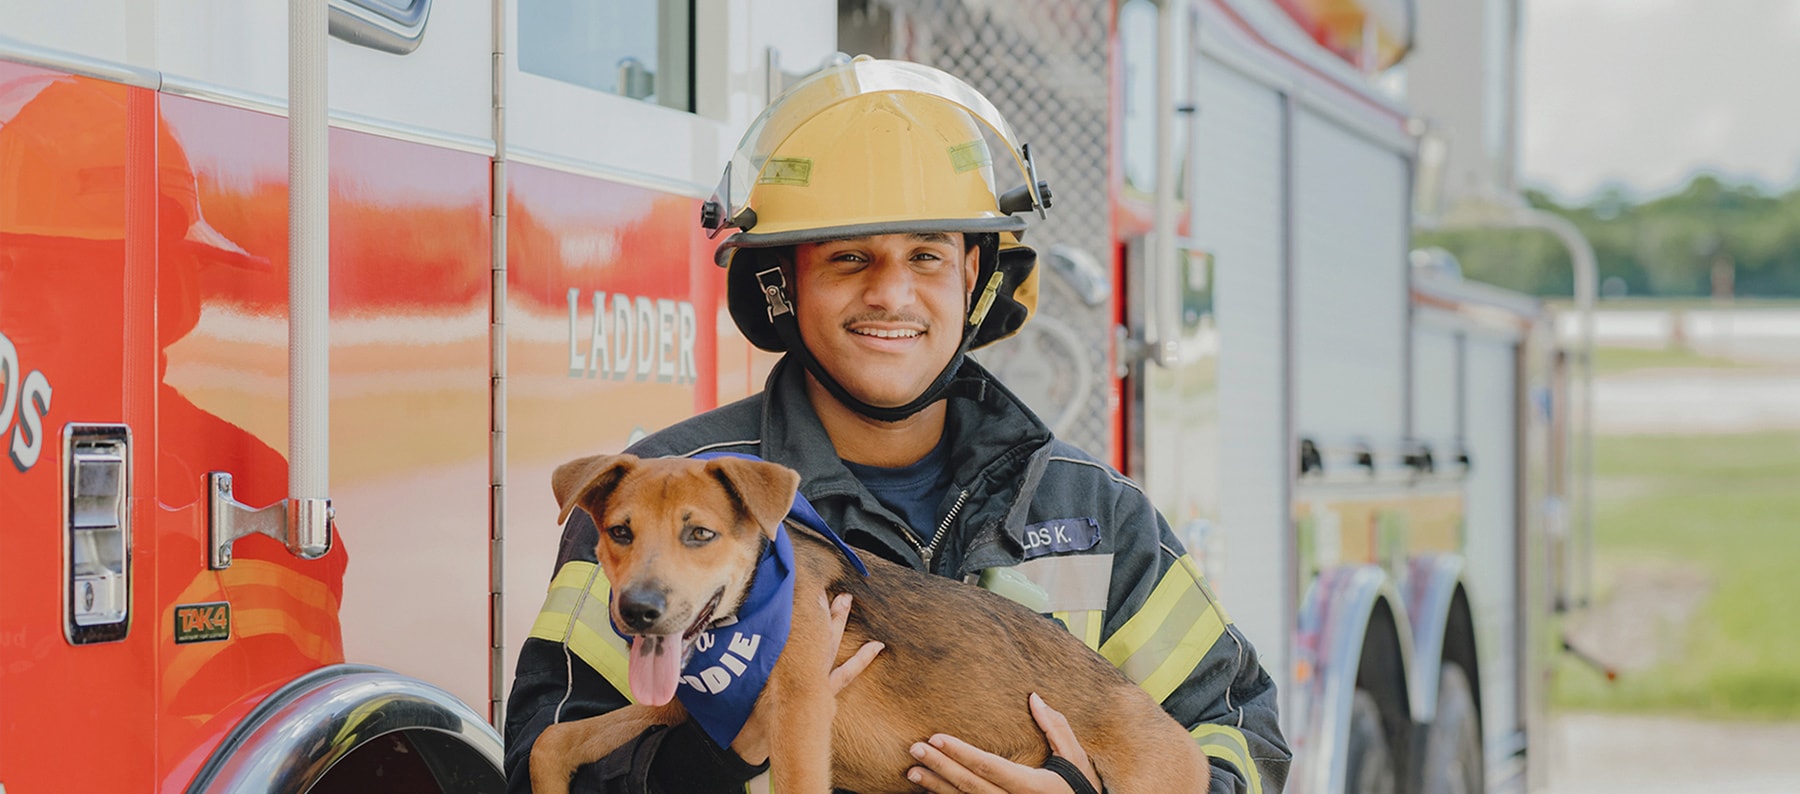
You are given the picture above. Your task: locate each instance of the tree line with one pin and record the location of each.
(1709, 238)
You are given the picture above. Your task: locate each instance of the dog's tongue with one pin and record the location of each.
(655, 668)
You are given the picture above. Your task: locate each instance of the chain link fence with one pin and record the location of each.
(1043, 63)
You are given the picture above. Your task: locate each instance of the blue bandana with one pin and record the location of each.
(730, 665)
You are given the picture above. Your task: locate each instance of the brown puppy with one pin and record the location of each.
(683, 536)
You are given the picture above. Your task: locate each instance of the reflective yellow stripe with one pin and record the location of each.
(1163, 643)
(1193, 568)
(1083, 623)
(1227, 744)
(1180, 660)
(575, 614)
(1138, 630)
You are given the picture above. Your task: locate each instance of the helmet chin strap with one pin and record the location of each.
(945, 385)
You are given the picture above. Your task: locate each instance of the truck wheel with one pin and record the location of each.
(1453, 755)
(1371, 762)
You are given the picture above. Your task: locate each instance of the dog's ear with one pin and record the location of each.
(764, 491)
(578, 477)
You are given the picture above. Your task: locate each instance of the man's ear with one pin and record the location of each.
(764, 491)
(577, 478)
(971, 271)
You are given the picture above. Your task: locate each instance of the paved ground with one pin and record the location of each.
(1603, 754)
(1698, 401)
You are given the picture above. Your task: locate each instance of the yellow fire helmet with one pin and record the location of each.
(876, 147)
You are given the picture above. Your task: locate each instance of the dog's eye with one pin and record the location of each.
(698, 535)
(620, 534)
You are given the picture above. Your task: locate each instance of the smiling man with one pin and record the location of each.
(888, 311)
(874, 248)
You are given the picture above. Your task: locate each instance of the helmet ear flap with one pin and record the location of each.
(1013, 299)
(746, 298)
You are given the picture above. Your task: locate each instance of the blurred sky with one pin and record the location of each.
(1643, 93)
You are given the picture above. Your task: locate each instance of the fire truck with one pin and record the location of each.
(301, 303)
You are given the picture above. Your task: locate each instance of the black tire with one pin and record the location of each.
(1453, 758)
(1371, 768)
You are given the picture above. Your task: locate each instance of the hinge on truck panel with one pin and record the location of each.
(497, 337)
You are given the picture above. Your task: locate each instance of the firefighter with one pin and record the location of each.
(870, 204)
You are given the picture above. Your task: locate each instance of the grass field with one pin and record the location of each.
(1727, 506)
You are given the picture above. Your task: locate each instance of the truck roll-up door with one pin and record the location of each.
(1238, 205)
(1491, 552)
(1350, 293)
(1436, 388)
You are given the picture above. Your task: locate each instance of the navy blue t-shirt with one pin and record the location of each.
(913, 492)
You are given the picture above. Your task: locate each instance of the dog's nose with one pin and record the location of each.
(640, 607)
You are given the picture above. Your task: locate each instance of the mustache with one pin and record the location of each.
(901, 318)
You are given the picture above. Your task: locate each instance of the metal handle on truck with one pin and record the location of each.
(303, 520)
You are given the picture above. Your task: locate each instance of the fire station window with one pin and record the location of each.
(1137, 48)
(642, 49)
(1139, 27)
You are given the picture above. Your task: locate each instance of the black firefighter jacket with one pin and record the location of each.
(1019, 499)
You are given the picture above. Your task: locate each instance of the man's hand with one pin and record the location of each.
(953, 766)
(752, 742)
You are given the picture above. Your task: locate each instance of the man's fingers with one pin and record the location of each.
(853, 666)
(960, 766)
(1056, 728)
(982, 765)
(839, 609)
(840, 612)
(931, 781)
(1062, 738)
(843, 674)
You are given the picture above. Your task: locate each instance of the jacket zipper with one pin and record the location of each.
(927, 551)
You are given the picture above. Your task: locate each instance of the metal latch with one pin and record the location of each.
(97, 532)
(302, 525)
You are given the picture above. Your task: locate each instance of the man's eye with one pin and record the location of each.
(620, 534)
(699, 535)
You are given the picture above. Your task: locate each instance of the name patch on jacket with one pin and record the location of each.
(1060, 536)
